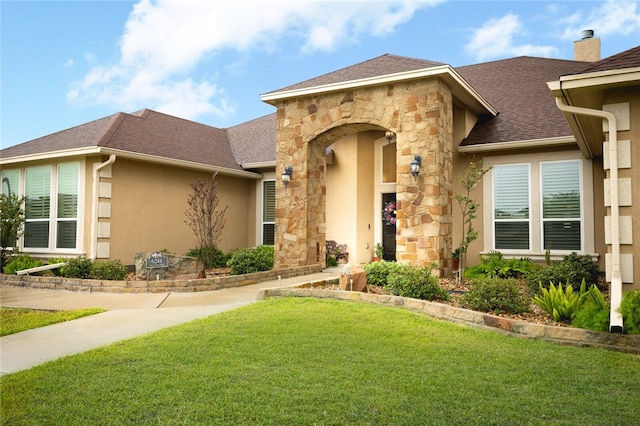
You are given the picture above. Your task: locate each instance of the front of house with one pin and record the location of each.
(348, 141)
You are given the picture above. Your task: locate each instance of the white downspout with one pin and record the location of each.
(95, 203)
(615, 318)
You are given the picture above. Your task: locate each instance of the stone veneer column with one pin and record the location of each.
(420, 113)
(424, 204)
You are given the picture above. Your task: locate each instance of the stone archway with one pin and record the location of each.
(420, 113)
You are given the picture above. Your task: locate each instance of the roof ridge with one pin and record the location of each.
(116, 120)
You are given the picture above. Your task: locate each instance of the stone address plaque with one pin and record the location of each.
(157, 260)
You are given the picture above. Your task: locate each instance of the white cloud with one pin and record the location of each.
(497, 38)
(609, 18)
(164, 40)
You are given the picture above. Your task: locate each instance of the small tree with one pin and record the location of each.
(11, 225)
(204, 216)
(469, 208)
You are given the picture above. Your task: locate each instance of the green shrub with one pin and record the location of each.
(331, 261)
(378, 272)
(417, 283)
(211, 257)
(20, 262)
(499, 295)
(53, 261)
(594, 313)
(494, 265)
(561, 304)
(630, 310)
(248, 260)
(108, 270)
(77, 267)
(572, 269)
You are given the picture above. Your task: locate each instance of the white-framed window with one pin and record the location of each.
(561, 207)
(538, 202)
(511, 207)
(52, 207)
(268, 211)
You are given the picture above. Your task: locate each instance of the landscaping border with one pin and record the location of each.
(563, 335)
(159, 286)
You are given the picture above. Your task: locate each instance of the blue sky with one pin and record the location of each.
(64, 63)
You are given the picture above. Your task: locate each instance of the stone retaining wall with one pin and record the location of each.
(564, 335)
(151, 286)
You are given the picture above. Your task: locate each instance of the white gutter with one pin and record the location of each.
(523, 144)
(615, 317)
(96, 202)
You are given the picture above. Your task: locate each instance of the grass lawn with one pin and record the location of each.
(305, 361)
(15, 320)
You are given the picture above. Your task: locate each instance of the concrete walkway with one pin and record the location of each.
(128, 315)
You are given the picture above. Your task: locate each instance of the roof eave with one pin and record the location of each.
(181, 163)
(51, 154)
(460, 87)
(522, 144)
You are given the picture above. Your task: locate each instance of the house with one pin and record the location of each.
(347, 143)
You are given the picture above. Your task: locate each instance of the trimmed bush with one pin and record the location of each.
(20, 262)
(77, 267)
(211, 257)
(408, 281)
(249, 260)
(499, 295)
(108, 270)
(572, 270)
(378, 272)
(630, 310)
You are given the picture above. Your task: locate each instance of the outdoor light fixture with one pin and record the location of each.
(415, 166)
(286, 175)
(389, 136)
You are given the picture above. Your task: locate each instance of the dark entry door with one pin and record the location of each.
(389, 226)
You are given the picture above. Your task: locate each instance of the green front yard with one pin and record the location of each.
(308, 361)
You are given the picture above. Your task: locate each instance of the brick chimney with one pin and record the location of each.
(587, 49)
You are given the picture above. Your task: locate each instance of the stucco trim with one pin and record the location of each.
(595, 79)
(459, 86)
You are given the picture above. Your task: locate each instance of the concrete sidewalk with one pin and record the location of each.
(128, 315)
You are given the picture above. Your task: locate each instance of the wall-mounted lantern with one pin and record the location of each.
(286, 175)
(415, 166)
(389, 135)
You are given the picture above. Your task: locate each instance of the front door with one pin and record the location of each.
(389, 226)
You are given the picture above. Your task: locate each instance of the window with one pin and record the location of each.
(545, 203)
(389, 163)
(561, 212)
(67, 205)
(51, 206)
(10, 182)
(37, 206)
(511, 207)
(268, 212)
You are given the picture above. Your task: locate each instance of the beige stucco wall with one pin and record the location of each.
(350, 195)
(148, 203)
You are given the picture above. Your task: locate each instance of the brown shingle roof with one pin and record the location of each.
(83, 136)
(144, 132)
(517, 89)
(255, 140)
(627, 59)
(376, 67)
